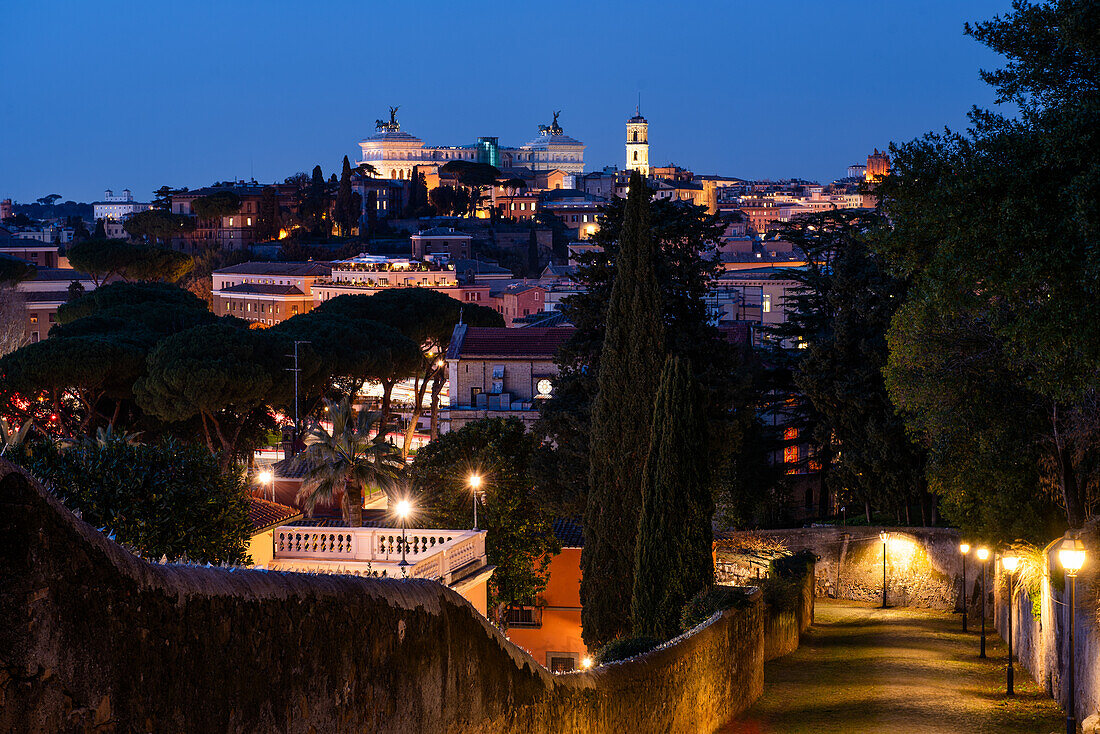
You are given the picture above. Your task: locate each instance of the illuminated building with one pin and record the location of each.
(637, 143)
(393, 152)
(878, 165)
(119, 207)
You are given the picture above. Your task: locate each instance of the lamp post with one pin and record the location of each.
(403, 509)
(884, 536)
(983, 556)
(1009, 563)
(475, 485)
(266, 477)
(964, 548)
(1072, 556)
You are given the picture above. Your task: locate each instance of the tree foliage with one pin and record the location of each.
(156, 225)
(622, 412)
(520, 541)
(107, 259)
(673, 559)
(216, 205)
(997, 229)
(167, 499)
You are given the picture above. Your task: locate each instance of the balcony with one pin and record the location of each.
(447, 556)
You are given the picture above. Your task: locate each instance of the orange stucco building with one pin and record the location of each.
(551, 630)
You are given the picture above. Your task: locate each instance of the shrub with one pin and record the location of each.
(709, 602)
(163, 500)
(625, 647)
(795, 565)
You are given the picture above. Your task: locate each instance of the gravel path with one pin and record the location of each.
(906, 671)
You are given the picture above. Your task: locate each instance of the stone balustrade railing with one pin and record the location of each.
(429, 553)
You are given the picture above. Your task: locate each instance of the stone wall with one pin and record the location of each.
(1041, 642)
(783, 628)
(923, 565)
(94, 638)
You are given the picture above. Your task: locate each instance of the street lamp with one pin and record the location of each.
(964, 548)
(884, 536)
(586, 663)
(1009, 563)
(983, 556)
(1072, 556)
(475, 485)
(404, 507)
(266, 477)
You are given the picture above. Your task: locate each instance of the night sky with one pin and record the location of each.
(138, 94)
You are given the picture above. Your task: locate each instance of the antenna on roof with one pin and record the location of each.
(638, 109)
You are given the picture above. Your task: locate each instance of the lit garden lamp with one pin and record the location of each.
(404, 507)
(1010, 563)
(983, 556)
(475, 486)
(964, 548)
(884, 536)
(586, 662)
(267, 478)
(1071, 554)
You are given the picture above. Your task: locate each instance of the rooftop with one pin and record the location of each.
(264, 514)
(277, 268)
(441, 232)
(570, 533)
(485, 341)
(266, 289)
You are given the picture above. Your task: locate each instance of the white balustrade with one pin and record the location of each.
(428, 553)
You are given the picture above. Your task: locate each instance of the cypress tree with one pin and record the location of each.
(630, 363)
(345, 213)
(673, 559)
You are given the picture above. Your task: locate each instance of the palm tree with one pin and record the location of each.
(12, 438)
(346, 461)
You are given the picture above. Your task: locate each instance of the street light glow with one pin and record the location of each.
(586, 663)
(983, 554)
(475, 481)
(265, 476)
(964, 548)
(1071, 554)
(1010, 562)
(404, 507)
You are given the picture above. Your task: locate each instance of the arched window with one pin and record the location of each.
(635, 135)
(635, 155)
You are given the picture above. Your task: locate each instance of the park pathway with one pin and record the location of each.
(861, 670)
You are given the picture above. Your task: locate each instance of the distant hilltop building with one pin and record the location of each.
(857, 170)
(118, 208)
(394, 153)
(637, 143)
(878, 166)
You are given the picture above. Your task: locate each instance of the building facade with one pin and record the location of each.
(637, 144)
(118, 207)
(394, 153)
(266, 293)
(501, 372)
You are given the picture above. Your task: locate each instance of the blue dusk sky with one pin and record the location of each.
(97, 95)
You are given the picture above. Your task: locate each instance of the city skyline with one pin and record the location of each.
(756, 93)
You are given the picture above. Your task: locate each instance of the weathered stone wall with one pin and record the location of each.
(923, 565)
(1041, 643)
(94, 638)
(783, 628)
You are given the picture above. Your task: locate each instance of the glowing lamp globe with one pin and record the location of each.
(1071, 554)
(1010, 563)
(964, 548)
(265, 477)
(475, 481)
(404, 507)
(983, 554)
(586, 663)
(884, 536)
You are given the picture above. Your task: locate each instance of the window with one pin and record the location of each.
(525, 616)
(561, 663)
(34, 318)
(231, 221)
(767, 303)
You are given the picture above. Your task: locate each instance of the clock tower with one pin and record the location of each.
(637, 143)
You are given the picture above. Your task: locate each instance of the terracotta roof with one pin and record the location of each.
(264, 514)
(569, 533)
(535, 342)
(289, 469)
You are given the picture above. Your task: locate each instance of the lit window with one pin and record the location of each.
(231, 221)
(767, 303)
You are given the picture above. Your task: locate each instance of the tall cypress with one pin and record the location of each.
(345, 212)
(673, 559)
(629, 368)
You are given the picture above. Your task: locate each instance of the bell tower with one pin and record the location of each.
(637, 143)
